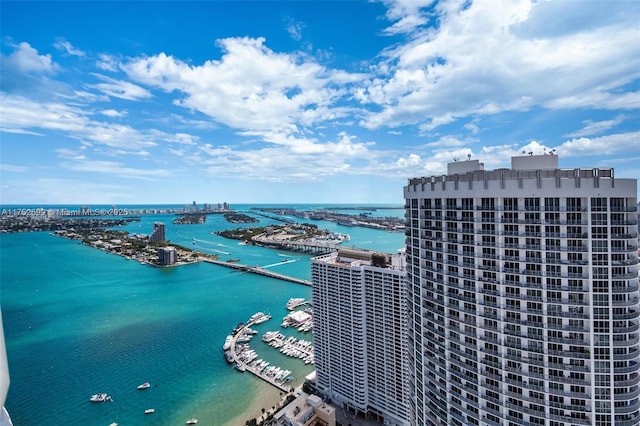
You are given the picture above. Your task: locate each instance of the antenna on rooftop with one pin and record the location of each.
(469, 157)
(455, 159)
(530, 152)
(552, 152)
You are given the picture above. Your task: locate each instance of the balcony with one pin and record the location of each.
(570, 420)
(630, 288)
(632, 314)
(633, 353)
(627, 342)
(625, 276)
(619, 303)
(488, 421)
(626, 396)
(625, 383)
(628, 236)
(632, 367)
(628, 422)
(491, 363)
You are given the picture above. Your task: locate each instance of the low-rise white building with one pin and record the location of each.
(306, 410)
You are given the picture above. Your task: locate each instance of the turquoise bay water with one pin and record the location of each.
(80, 321)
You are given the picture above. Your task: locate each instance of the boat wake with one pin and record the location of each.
(211, 244)
(283, 262)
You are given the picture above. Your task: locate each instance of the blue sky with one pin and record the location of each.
(308, 101)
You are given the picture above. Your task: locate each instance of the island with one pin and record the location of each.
(233, 217)
(191, 219)
(136, 247)
(298, 237)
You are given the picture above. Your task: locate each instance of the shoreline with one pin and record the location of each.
(264, 396)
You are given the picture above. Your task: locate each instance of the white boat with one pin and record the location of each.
(145, 385)
(262, 319)
(192, 421)
(294, 302)
(100, 397)
(227, 343)
(150, 411)
(259, 317)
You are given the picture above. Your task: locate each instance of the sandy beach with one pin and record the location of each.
(264, 396)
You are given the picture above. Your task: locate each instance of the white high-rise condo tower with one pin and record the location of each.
(523, 296)
(359, 332)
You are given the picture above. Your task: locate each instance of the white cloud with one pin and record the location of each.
(406, 15)
(70, 154)
(472, 127)
(294, 28)
(26, 59)
(19, 113)
(113, 168)
(411, 160)
(13, 168)
(66, 46)
(77, 162)
(179, 138)
(595, 127)
(184, 138)
(22, 113)
(305, 160)
(448, 141)
(120, 89)
(61, 191)
(478, 60)
(113, 113)
(620, 143)
(107, 62)
(251, 88)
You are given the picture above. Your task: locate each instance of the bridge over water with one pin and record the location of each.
(258, 270)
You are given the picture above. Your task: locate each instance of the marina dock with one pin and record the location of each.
(258, 270)
(257, 370)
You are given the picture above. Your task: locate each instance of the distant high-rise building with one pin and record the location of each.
(157, 236)
(360, 323)
(167, 256)
(523, 296)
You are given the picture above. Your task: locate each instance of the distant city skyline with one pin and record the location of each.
(304, 102)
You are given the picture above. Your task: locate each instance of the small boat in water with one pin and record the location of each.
(192, 421)
(150, 411)
(100, 397)
(145, 385)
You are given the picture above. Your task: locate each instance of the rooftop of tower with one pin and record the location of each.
(356, 257)
(522, 167)
(523, 162)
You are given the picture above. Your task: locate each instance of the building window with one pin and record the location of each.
(598, 204)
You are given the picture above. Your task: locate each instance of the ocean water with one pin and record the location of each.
(80, 321)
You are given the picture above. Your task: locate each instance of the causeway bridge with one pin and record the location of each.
(258, 270)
